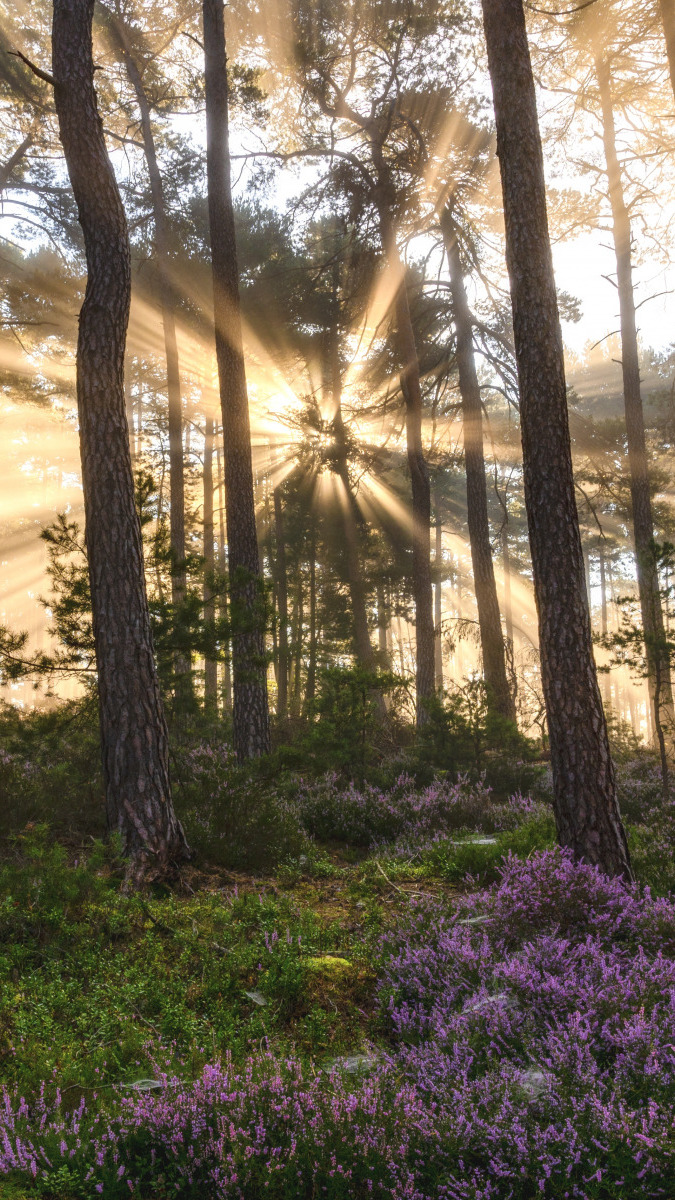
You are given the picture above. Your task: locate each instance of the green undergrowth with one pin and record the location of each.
(94, 982)
(89, 975)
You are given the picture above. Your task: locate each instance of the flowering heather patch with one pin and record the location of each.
(369, 816)
(530, 1052)
(270, 1130)
(540, 1018)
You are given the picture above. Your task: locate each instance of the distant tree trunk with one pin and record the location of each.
(310, 689)
(297, 623)
(138, 436)
(165, 289)
(275, 633)
(222, 567)
(506, 568)
(438, 601)
(584, 788)
(210, 664)
(251, 725)
(357, 592)
(399, 638)
(603, 592)
(129, 408)
(419, 474)
(667, 8)
(133, 730)
(606, 684)
(383, 618)
(485, 586)
(641, 503)
(282, 603)
(632, 710)
(587, 583)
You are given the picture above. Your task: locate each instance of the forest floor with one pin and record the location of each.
(460, 1012)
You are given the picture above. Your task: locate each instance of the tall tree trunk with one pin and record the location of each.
(438, 600)
(487, 603)
(251, 726)
(419, 473)
(667, 8)
(165, 290)
(506, 568)
(584, 787)
(643, 526)
(282, 602)
(357, 591)
(133, 729)
(210, 664)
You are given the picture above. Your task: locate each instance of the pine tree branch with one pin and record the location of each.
(35, 69)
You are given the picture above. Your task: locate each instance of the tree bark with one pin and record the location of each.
(419, 473)
(282, 603)
(499, 696)
(658, 665)
(667, 8)
(251, 728)
(584, 787)
(210, 664)
(133, 729)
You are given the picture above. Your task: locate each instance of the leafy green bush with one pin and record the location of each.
(462, 735)
(40, 889)
(50, 769)
(482, 856)
(348, 729)
(232, 815)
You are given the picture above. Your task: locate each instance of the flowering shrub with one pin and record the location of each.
(529, 1053)
(270, 1130)
(367, 815)
(539, 1020)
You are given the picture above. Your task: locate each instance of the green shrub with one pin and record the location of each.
(50, 769)
(346, 730)
(482, 856)
(232, 815)
(463, 735)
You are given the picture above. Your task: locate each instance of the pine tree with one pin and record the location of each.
(250, 712)
(133, 729)
(586, 809)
